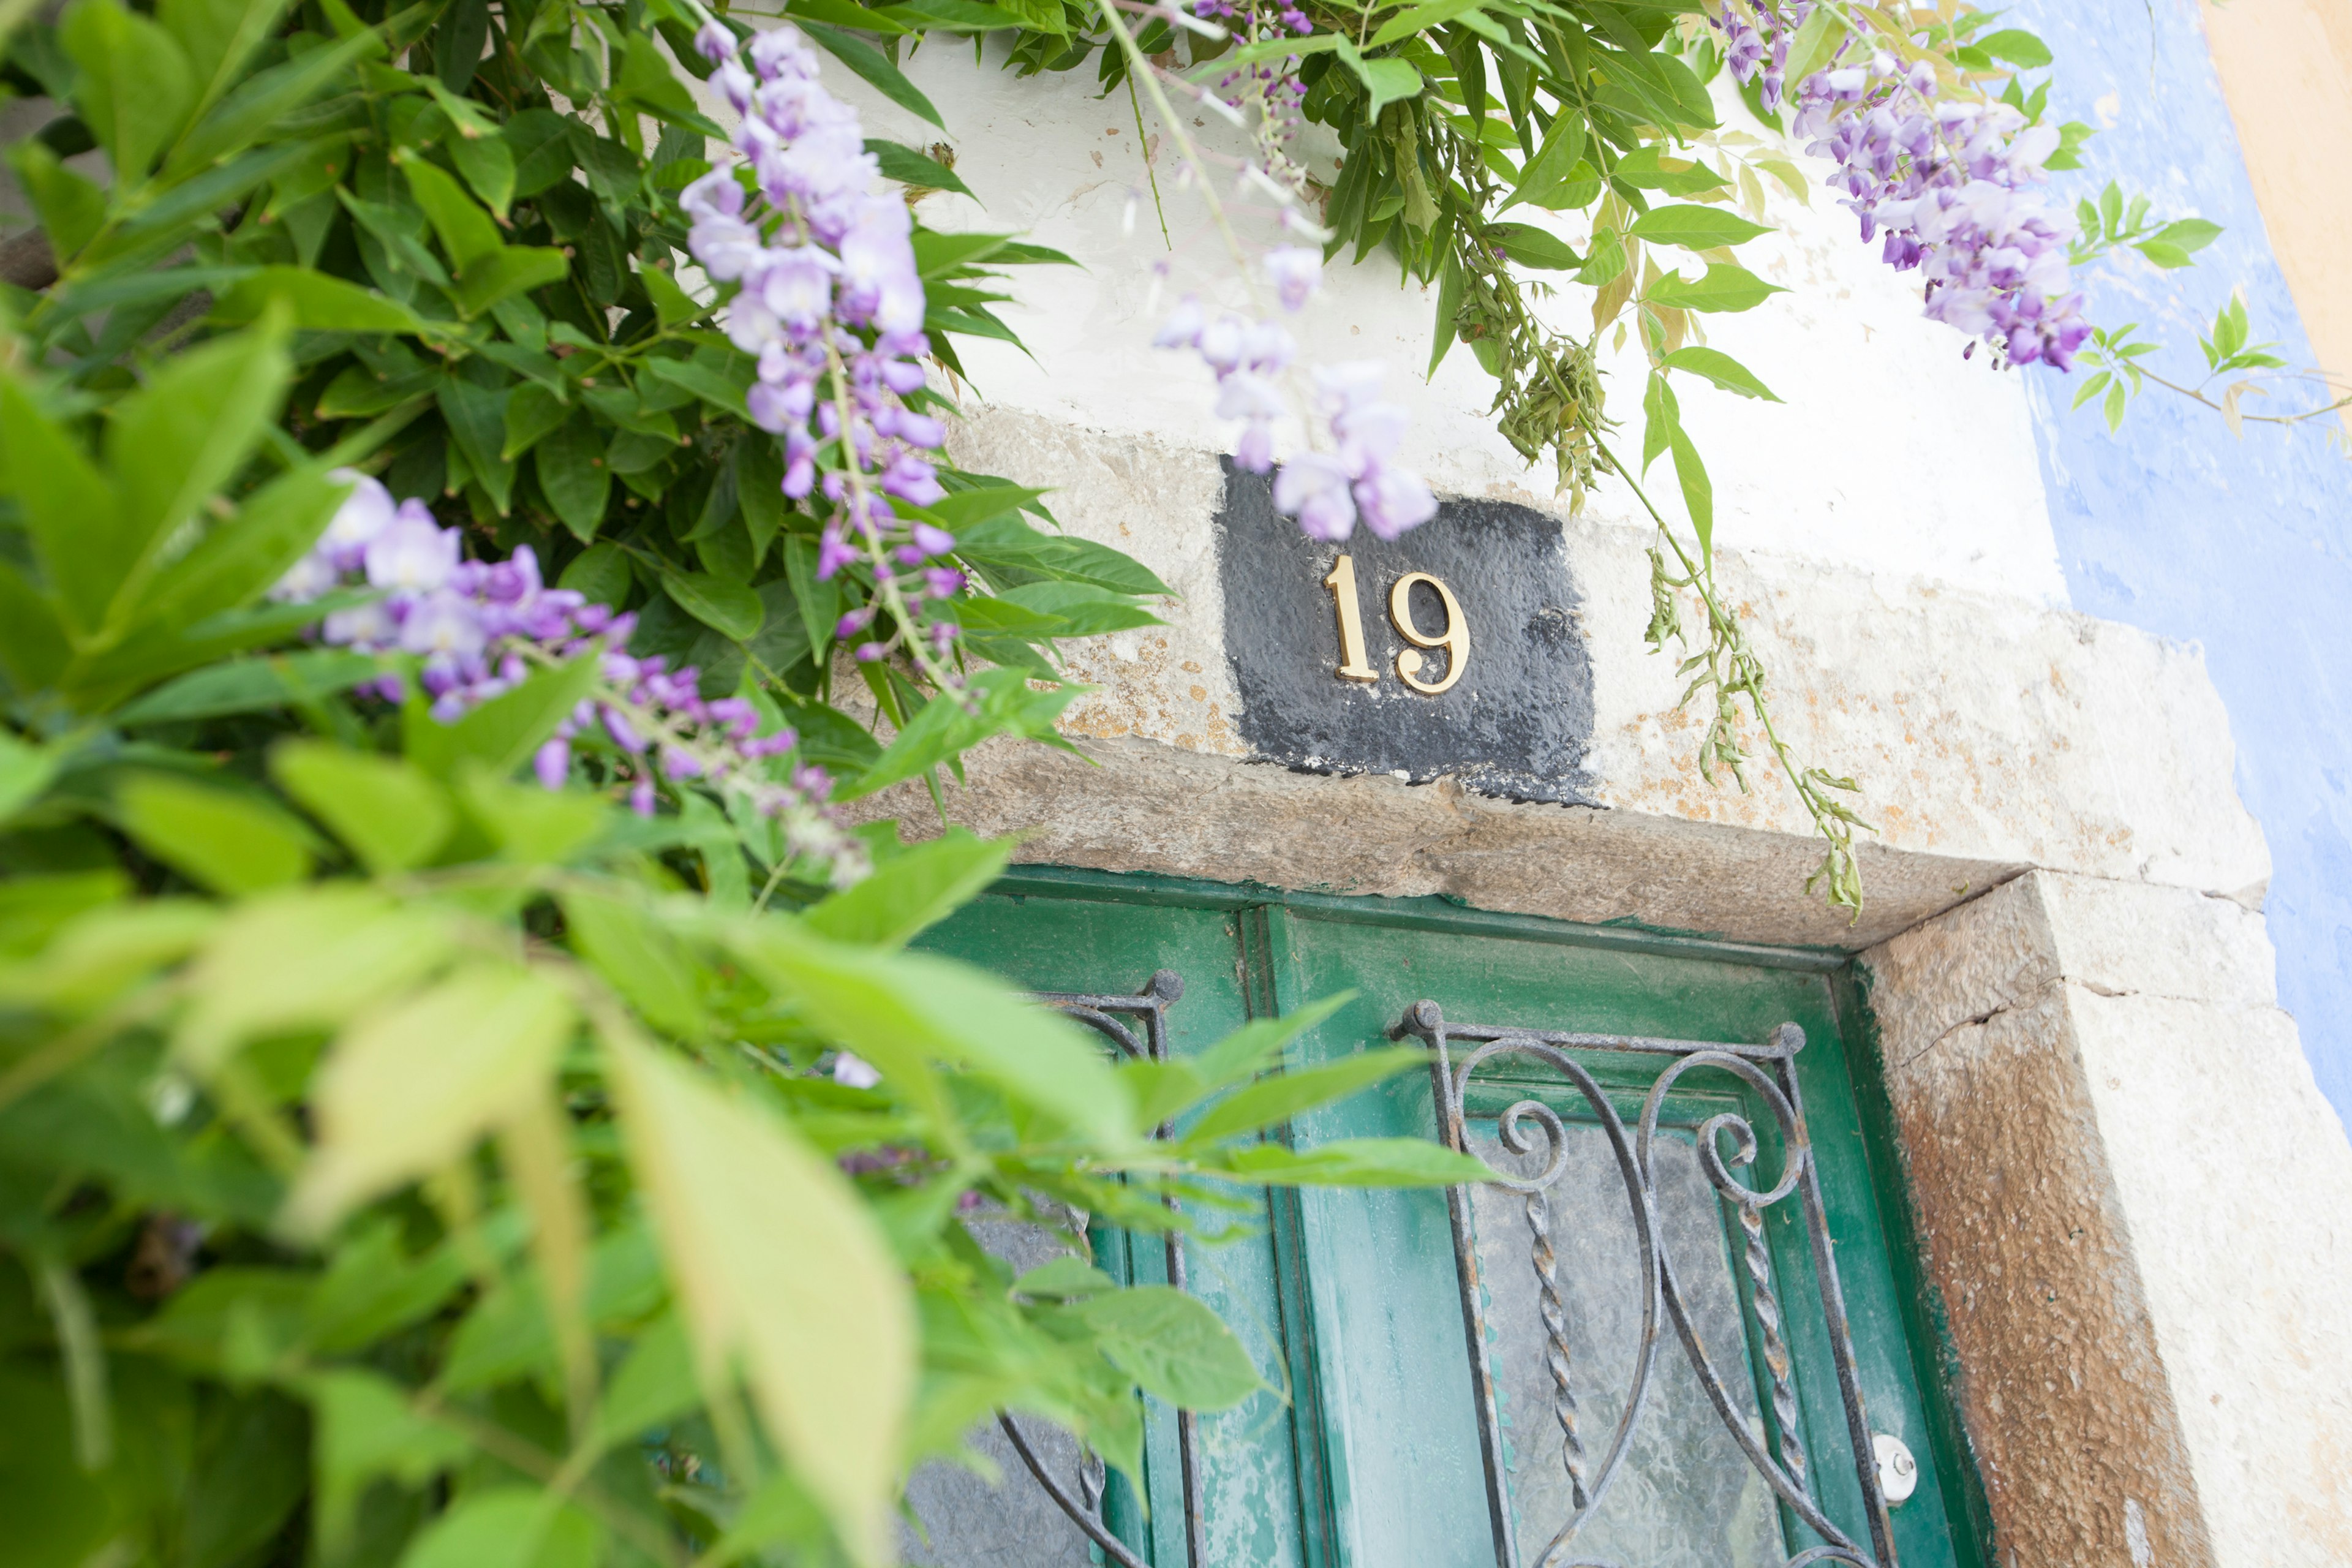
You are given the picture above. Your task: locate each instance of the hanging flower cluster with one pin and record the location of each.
(1955, 184)
(831, 303)
(480, 629)
(1274, 87)
(1328, 492)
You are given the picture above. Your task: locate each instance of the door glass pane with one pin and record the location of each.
(962, 1519)
(1685, 1496)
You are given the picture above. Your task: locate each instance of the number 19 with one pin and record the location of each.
(1455, 639)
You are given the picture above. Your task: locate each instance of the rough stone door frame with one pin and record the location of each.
(2138, 1210)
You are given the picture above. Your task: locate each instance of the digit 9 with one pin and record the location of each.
(1455, 639)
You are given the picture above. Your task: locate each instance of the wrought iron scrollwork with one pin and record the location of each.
(1530, 1127)
(1118, 1019)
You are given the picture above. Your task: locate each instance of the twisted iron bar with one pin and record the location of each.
(1554, 1312)
(1776, 1348)
(1767, 1071)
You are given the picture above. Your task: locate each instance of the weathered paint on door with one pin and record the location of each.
(1364, 1451)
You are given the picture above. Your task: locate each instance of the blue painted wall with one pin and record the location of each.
(2175, 527)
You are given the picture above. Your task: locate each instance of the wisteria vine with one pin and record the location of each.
(480, 629)
(830, 301)
(1955, 183)
(1348, 473)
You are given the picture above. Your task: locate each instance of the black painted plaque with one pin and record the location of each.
(1518, 724)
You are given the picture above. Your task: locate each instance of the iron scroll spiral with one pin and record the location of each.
(1726, 1145)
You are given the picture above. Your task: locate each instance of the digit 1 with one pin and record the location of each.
(1342, 584)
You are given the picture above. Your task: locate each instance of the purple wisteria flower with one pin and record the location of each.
(478, 629)
(830, 301)
(1956, 184)
(1328, 492)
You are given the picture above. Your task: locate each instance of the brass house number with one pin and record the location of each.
(1455, 639)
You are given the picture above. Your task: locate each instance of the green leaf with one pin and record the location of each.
(1065, 1279)
(529, 825)
(875, 68)
(304, 959)
(998, 701)
(909, 167)
(653, 1385)
(2189, 234)
(1725, 288)
(1386, 81)
(1174, 1347)
(903, 1011)
(1694, 227)
(1420, 20)
(705, 380)
(240, 559)
(216, 37)
(532, 412)
(672, 304)
(408, 1090)
(1816, 43)
(778, 1267)
(390, 814)
(1083, 609)
(71, 208)
(262, 100)
(506, 272)
(1356, 1162)
(601, 573)
(364, 1428)
(67, 506)
(573, 476)
(253, 686)
(1661, 413)
(646, 80)
(1698, 490)
(1719, 368)
(541, 148)
(2165, 254)
(1277, 1099)
(135, 88)
(477, 417)
(231, 843)
(503, 732)
(488, 165)
(316, 301)
(1449, 310)
(24, 773)
(2013, 45)
(466, 231)
(507, 1527)
(186, 433)
(643, 960)
(1009, 541)
(1553, 167)
(912, 891)
(731, 609)
(1531, 247)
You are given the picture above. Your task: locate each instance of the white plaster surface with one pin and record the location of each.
(1891, 455)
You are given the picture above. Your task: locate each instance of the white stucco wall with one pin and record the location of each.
(1890, 454)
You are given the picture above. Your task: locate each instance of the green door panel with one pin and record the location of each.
(1248, 1484)
(1406, 1473)
(1363, 1452)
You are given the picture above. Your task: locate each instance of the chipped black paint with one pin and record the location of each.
(1518, 725)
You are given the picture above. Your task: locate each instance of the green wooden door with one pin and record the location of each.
(1366, 1451)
